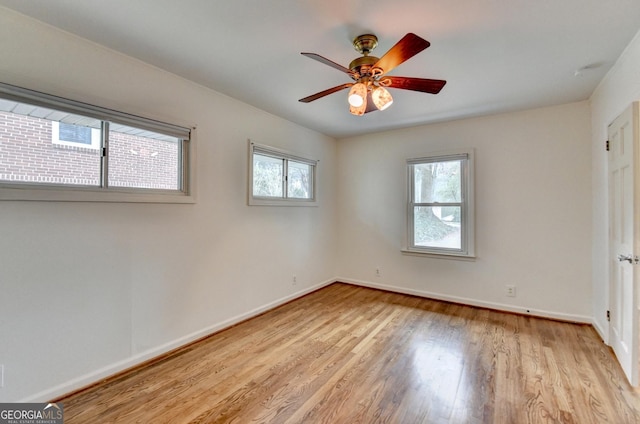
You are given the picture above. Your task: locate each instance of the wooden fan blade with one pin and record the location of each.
(325, 92)
(409, 46)
(326, 61)
(416, 84)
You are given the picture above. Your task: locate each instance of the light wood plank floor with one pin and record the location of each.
(347, 354)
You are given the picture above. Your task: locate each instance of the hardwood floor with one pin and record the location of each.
(347, 354)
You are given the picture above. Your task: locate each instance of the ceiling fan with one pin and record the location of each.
(369, 91)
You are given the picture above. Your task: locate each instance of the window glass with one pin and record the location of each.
(437, 182)
(30, 153)
(437, 226)
(299, 180)
(143, 159)
(74, 133)
(268, 174)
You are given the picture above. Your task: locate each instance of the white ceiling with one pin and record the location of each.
(496, 55)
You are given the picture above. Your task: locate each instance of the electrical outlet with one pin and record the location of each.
(295, 280)
(510, 290)
(377, 272)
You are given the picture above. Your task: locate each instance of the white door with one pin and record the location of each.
(624, 231)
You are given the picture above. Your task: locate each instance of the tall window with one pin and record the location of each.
(440, 204)
(52, 145)
(280, 178)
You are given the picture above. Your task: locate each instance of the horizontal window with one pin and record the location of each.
(277, 177)
(58, 149)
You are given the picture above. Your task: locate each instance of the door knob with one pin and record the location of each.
(628, 258)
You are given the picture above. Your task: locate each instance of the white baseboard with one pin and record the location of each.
(604, 334)
(474, 302)
(113, 369)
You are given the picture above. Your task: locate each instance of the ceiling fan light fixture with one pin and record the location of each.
(358, 95)
(360, 110)
(381, 98)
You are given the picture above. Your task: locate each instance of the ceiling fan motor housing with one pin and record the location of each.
(363, 66)
(364, 44)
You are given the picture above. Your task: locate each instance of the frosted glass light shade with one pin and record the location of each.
(359, 111)
(357, 95)
(381, 98)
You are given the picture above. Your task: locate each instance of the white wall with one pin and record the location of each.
(533, 211)
(87, 289)
(616, 92)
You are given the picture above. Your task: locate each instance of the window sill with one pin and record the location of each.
(454, 256)
(79, 194)
(253, 201)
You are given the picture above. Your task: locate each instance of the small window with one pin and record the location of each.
(72, 135)
(440, 205)
(277, 177)
(58, 149)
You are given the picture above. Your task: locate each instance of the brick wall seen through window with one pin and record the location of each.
(27, 154)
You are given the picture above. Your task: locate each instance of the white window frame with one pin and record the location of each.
(70, 193)
(467, 204)
(285, 156)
